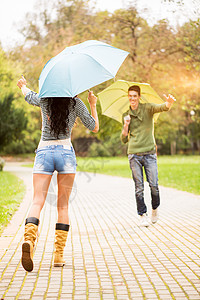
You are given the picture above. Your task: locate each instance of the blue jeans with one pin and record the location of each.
(149, 162)
(55, 158)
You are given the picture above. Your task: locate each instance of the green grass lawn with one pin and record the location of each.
(12, 190)
(180, 172)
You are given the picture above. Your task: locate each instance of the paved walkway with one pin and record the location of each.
(108, 256)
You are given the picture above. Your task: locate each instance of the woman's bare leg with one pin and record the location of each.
(65, 184)
(41, 184)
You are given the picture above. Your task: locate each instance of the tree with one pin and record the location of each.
(189, 42)
(150, 48)
(166, 58)
(8, 71)
(12, 121)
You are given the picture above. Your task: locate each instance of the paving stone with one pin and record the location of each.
(106, 249)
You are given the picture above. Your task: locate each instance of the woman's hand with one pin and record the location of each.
(21, 82)
(22, 85)
(92, 99)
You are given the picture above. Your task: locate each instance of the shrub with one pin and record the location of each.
(2, 163)
(98, 149)
(109, 147)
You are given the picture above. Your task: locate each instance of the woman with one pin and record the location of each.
(54, 152)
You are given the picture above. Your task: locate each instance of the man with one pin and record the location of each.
(138, 128)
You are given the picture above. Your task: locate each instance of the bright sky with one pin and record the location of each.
(12, 14)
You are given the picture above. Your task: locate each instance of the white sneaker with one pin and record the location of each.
(144, 220)
(154, 216)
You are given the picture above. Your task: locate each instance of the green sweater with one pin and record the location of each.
(141, 128)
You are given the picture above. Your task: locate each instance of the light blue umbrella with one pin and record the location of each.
(79, 68)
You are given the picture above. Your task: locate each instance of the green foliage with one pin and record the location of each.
(12, 191)
(8, 72)
(188, 40)
(112, 146)
(20, 147)
(167, 59)
(12, 121)
(98, 149)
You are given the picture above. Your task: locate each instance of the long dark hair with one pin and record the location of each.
(58, 114)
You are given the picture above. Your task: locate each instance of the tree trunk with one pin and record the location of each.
(173, 147)
(198, 146)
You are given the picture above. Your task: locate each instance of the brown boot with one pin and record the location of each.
(30, 234)
(60, 241)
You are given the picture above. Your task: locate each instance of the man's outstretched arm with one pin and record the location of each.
(157, 108)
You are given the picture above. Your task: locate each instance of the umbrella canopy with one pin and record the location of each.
(114, 99)
(79, 68)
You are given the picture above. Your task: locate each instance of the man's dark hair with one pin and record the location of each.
(135, 88)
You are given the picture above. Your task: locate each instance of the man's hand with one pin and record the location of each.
(169, 100)
(127, 120)
(92, 99)
(21, 82)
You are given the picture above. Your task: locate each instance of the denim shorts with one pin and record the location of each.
(55, 158)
